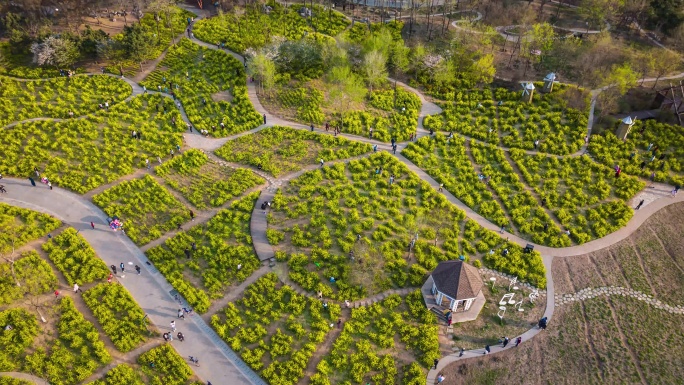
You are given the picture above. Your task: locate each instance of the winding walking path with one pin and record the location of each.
(150, 289)
(154, 294)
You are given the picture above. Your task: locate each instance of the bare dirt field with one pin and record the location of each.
(604, 340)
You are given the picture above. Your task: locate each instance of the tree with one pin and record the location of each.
(398, 57)
(114, 51)
(597, 11)
(160, 7)
(664, 62)
(263, 69)
(375, 68)
(56, 51)
(666, 15)
(347, 89)
(138, 43)
(622, 77)
(482, 71)
(677, 38)
(302, 58)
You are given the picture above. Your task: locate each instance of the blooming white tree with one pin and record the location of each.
(55, 51)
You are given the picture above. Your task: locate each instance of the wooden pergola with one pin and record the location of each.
(671, 98)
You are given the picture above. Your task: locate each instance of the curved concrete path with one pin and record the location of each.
(153, 293)
(25, 376)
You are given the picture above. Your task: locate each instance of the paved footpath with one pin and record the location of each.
(218, 363)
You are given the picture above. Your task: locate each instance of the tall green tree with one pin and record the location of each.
(664, 62)
(666, 15)
(113, 51)
(139, 43)
(346, 90)
(374, 68)
(482, 71)
(263, 70)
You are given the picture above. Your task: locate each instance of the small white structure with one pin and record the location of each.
(534, 295)
(456, 285)
(625, 127)
(548, 82)
(528, 92)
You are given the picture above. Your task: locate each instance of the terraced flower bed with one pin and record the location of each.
(275, 330)
(145, 207)
(326, 216)
(254, 29)
(195, 75)
(279, 150)
(500, 117)
(204, 260)
(82, 154)
(203, 182)
(56, 98)
(585, 196)
(651, 149)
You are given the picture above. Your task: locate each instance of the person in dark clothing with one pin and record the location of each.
(641, 203)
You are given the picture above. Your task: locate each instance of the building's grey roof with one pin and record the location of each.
(457, 279)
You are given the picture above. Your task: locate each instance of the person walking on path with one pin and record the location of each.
(180, 336)
(113, 268)
(180, 314)
(77, 289)
(192, 215)
(166, 337)
(461, 353)
(147, 164)
(440, 378)
(92, 225)
(505, 341)
(50, 185)
(375, 148)
(121, 265)
(322, 162)
(56, 293)
(137, 268)
(518, 341)
(676, 190)
(435, 363)
(641, 203)
(339, 323)
(487, 349)
(109, 279)
(33, 182)
(173, 326)
(264, 118)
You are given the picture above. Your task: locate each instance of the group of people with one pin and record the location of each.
(336, 130)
